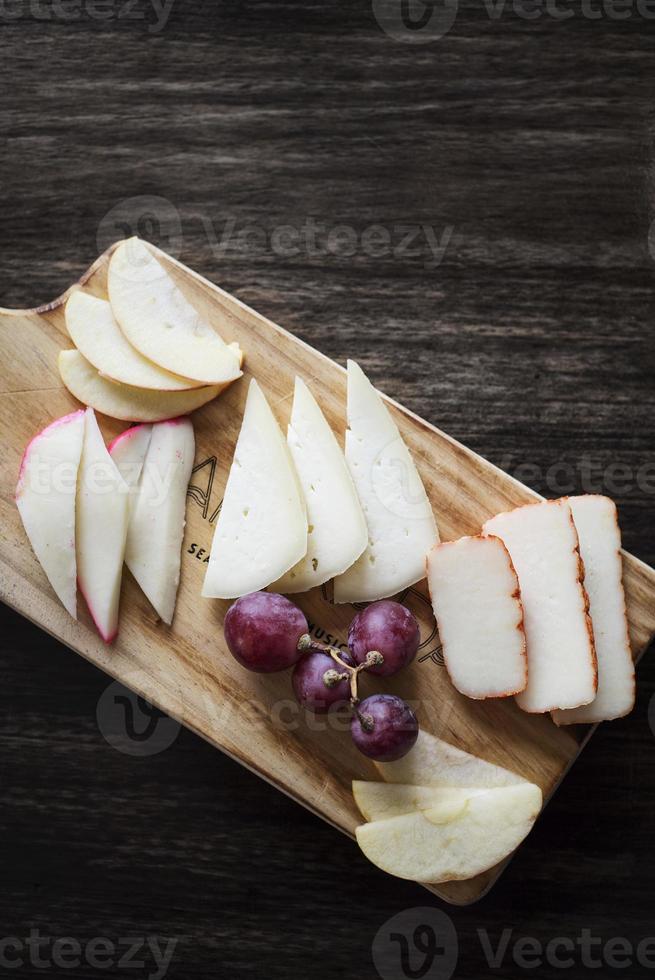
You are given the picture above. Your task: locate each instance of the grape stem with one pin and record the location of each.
(331, 677)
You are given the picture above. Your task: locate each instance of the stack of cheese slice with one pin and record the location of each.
(543, 543)
(145, 354)
(86, 510)
(597, 524)
(443, 814)
(296, 514)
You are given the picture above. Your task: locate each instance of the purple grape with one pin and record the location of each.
(262, 632)
(389, 628)
(309, 683)
(384, 727)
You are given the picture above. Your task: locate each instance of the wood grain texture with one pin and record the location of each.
(532, 342)
(186, 669)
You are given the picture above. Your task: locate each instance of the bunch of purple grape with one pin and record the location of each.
(265, 632)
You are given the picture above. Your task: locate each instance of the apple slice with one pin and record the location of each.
(45, 497)
(401, 525)
(160, 322)
(261, 530)
(93, 329)
(337, 533)
(379, 801)
(157, 521)
(433, 762)
(128, 451)
(123, 401)
(102, 516)
(447, 843)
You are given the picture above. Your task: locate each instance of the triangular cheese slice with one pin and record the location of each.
(262, 526)
(401, 525)
(337, 533)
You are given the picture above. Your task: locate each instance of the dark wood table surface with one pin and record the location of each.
(517, 155)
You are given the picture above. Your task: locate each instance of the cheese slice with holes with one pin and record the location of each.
(336, 533)
(476, 602)
(543, 543)
(597, 523)
(261, 530)
(401, 525)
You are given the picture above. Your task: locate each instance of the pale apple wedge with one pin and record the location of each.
(128, 451)
(159, 321)
(433, 762)
(379, 801)
(93, 329)
(102, 517)
(123, 401)
(446, 843)
(45, 497)
(157, 515)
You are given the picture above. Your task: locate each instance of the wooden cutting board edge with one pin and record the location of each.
(56, 614)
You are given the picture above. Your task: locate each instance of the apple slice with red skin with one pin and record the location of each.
(45, 497)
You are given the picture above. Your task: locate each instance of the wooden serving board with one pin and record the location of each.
(185, 669)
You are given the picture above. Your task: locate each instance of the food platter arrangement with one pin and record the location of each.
(355, 606)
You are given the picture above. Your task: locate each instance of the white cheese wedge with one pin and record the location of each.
(453, 842)
(261, 530)
(401, 525)
(337, 532)
(596, 520)
(160, 322)
(475, 597)
(433, 762)
(157, 515)
(93, 329)
(543, 543)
